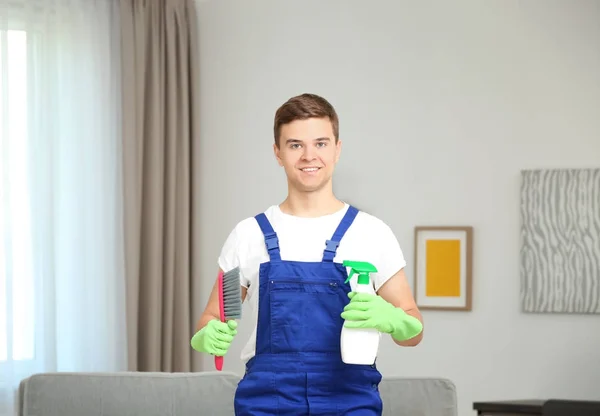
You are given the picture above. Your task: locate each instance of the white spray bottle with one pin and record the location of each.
(360, 345)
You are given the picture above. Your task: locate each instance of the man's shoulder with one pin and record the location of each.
(370, 220)
(249, 226)
(369, 228)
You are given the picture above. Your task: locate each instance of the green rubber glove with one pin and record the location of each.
(215, 338)
(372, 311)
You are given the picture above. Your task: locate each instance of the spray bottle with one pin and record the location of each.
(360, 345)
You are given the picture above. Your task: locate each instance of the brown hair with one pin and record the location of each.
(302, 107)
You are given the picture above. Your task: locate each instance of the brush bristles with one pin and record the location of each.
(232, 294)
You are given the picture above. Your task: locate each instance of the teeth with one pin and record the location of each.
(310, 169)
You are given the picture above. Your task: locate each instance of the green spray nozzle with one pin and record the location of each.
(362, 268)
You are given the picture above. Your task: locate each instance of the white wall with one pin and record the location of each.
(441, 105)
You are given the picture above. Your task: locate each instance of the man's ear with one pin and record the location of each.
(338, 150)
(276, 152)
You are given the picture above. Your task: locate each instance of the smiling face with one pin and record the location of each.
(308, 151)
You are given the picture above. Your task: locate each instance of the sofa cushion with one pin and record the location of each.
(128, 393)
(418, 397)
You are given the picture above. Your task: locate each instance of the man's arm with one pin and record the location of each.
(211, 311)
(397, 292)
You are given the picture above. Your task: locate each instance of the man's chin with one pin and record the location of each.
(309, 187)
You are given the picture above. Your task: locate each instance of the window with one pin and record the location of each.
(16, 262)
(61, 248)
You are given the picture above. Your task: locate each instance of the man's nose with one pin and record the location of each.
(309, 153)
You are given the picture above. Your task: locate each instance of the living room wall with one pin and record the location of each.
(441, 106)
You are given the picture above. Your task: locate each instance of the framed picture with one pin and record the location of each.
(559, 251)
(443, 268)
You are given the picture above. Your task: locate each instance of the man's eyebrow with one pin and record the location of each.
(318, 139)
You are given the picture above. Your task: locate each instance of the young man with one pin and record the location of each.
(291, 273)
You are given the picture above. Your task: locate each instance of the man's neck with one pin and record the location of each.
(311, 204)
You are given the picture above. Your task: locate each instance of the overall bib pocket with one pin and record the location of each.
(305, 315)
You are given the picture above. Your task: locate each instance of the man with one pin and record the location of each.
(291, 273)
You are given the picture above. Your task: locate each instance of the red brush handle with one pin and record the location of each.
(219, 359)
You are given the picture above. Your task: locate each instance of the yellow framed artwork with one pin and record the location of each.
(443, 267)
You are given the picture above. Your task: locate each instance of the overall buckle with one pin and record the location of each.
(272, 242)
(331, 246)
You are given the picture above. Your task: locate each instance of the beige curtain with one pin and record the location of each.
(160, 85)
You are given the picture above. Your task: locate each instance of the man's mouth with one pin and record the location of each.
(311, 169)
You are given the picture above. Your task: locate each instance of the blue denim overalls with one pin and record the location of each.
(297, 369)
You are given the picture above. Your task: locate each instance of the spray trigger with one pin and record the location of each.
(363, 269)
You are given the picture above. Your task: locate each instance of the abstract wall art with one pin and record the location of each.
(560, 241)
(443, 267)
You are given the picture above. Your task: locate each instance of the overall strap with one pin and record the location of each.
(271, 240)
(332, 244)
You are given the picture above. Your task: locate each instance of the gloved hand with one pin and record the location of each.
(372, 311)
(215, 338)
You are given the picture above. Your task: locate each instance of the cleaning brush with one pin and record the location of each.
(230, 301)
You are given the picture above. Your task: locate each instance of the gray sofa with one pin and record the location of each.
(204, 393)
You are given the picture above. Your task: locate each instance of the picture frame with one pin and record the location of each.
(559, 254)
(443, 275)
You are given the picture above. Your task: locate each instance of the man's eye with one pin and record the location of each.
(295, 146)
(321, 144)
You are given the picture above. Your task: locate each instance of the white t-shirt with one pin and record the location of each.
(303, 239)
